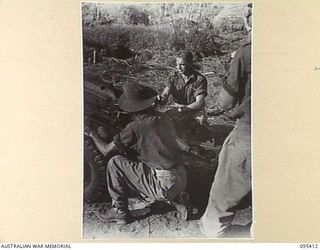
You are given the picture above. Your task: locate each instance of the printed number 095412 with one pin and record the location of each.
(306, 245)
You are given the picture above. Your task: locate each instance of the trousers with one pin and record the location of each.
(127, 178)
(232, 181)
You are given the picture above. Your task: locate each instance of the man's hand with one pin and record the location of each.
(200, 119)
(160, 100)
(104, 148)
(89, 132)
(86, 130)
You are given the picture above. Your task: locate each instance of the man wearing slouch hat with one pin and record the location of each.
(155, 174)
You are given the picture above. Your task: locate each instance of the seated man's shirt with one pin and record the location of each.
(186, 92)
(153, 138)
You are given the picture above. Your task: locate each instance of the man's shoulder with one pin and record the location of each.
(200, 77)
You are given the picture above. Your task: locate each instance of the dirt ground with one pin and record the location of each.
(166, 224)
(154, 226)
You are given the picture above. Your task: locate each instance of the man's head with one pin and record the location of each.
(184, 61)
(248, 16)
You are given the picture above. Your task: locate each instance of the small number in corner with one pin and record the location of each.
(308, 245)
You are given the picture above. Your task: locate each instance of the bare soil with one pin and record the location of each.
(154, 226)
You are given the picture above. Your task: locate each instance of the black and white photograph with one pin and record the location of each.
(167, 120)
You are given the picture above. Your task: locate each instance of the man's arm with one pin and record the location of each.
(228, 96)
(225, 100)
(165, 95)
(200, 93)
(198, 104)
(240, 110)
(104, 148)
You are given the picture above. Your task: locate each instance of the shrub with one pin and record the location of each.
(131, 39)
(131, 36)
(205, 42)
(132, 15)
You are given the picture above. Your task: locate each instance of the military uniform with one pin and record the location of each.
(156, 173)
(185, 92)
(233, 177)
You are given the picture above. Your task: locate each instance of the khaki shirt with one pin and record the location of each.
(238, 83)
(186, 92)
(153, 139)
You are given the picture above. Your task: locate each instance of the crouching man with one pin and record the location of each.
(156, 173)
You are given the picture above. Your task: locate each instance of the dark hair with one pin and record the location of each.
(185, 55)
(248, 15)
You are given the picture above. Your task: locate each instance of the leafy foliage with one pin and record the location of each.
(124, 31)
